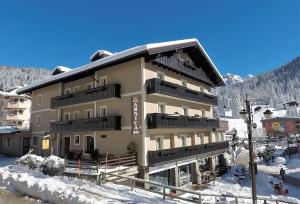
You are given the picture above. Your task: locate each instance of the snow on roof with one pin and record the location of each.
(103, 53)
(8, 129)
(60, 69)
(11, 91)
(143, 49)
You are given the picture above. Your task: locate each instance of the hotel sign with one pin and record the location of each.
(45, 144)
(136, 104)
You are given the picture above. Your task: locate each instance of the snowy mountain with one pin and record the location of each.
(13, 76)
(278, 86)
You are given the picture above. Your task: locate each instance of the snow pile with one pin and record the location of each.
(31, 160)
(53, 162)
(70, 190)
(280, 160)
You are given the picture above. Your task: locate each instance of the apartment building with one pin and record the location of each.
(14, 109)
(155, 96)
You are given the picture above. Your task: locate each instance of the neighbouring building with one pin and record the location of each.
(155, 96)
(281, 126)
(14, 109)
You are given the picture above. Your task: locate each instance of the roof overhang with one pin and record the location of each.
(132, 53)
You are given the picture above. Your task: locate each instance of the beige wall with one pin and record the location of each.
(173, 106)
(46, 117)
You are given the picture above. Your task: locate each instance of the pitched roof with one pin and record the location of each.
(147, 49)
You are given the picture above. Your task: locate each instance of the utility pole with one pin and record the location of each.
(252, 164)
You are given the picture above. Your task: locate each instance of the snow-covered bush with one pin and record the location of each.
(53, 163)
(31, 160)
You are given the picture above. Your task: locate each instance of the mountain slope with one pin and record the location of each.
(13, 76)
(277, 86)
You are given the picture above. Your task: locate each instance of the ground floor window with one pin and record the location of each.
(35, 140)
(185, 175)
(162, 177)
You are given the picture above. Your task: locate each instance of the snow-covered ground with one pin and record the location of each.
(68, 190)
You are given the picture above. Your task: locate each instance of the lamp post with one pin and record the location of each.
(247, 115)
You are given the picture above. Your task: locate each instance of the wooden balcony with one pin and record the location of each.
(171, 155)
(160, 120)
(90, 124)
(170, 89)
(88, 95)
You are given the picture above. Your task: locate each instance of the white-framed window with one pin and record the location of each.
(183, 140)
(39, 99)
(76, 139)
(161, 75)
(89, 113)
(76, 115)
(102, 81)
(201, 138)
(76, 88)
(102, 111)
(67, 116)
(185, 110)
(37, 120)
(22, 100)
(159, 140)
(67, 91)
(35, 141)
(161, 107)
(184, 83)
(203, 113)
(89, 85)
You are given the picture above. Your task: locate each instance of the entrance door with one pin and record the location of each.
(89, 144)
(67, 145)
(26, 145)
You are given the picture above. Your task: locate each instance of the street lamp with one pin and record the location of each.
(247, 115)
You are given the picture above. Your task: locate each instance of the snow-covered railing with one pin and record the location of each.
(196, 196)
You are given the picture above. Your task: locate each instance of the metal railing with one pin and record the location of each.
(160, 120)
(90, 124)
(167, 88)
(88, 95)
(173, 154)
(196, 196)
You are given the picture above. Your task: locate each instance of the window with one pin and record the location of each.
(39, 99)
(76, 88)
(89, 85)
(15, 99)
(67, 91)
(19, 123)
(201, 138)
(185, 110)
(35, 140)
(183, 140)
(203, 113)
(161, 107)
(161, 75)
(217, 137)
(102, 81)
(159, 143)
(67, 116)
(76, 139)
(89, 113)
(184, 83)
(20, 112)
(103, 111)
(0, 141)
(37, 120)
(21, 100)
(75, 115)
(8, 142)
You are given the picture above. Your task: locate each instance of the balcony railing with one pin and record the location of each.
(90, 124)
(160, 120)
(94, 94)
(171, 89)
(174, 154)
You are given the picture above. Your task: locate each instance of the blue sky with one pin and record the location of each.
(240, 36)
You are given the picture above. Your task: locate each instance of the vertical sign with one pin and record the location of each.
(135, 115)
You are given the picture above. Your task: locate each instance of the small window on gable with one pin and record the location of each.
(76, 88)
(102, 81)
(67, 91)
(89, 85)
(39, 99)
(184, 83)
(161, 75)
